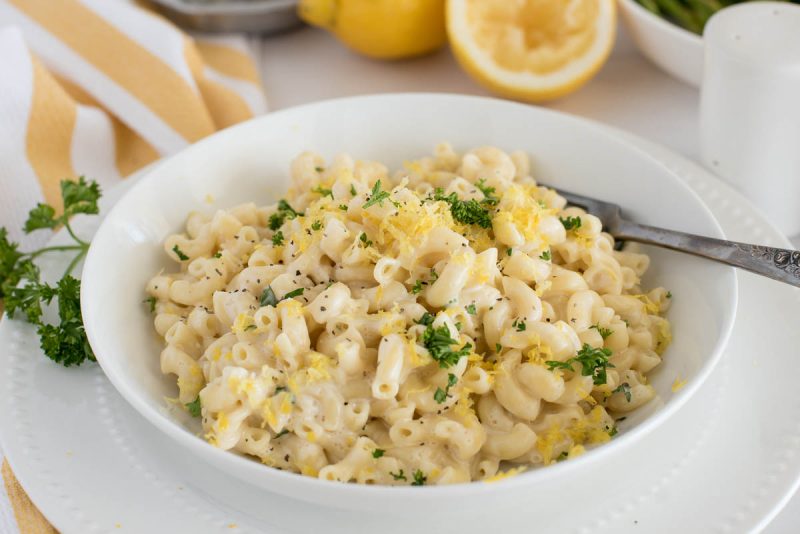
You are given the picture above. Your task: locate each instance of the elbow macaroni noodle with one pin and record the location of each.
(366, 330)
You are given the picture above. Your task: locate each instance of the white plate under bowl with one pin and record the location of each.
(249, 163)
(677, 51)
(727, 462)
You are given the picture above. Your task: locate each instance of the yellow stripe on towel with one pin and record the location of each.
(49, 138)
(146, 77)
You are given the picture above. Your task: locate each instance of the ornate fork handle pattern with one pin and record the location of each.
(786, 260)
(776, 263)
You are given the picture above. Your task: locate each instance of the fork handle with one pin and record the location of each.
(776, 263)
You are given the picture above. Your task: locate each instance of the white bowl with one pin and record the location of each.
(677, 51)
(249, 163)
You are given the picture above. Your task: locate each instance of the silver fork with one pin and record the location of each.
(776, 263)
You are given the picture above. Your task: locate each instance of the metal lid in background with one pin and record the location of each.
(251, 16)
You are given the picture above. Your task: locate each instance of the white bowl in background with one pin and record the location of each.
(249, 162)
(677, 51)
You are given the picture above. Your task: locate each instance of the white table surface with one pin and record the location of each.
(629, 93)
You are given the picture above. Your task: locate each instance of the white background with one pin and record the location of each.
(629, 93)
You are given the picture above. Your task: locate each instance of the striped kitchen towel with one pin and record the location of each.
(103, 87)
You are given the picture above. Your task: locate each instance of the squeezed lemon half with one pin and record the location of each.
(531, 50)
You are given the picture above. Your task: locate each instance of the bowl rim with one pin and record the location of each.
(670, 27)
(216, 456)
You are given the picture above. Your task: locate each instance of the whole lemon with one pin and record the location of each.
(383, 29)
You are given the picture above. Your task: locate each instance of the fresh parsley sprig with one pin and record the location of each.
(268, 297)
(439, 345)
(441, 394)
(285, 211)
(594, 362)
(20, 281)
(464, 211)
(377, 196)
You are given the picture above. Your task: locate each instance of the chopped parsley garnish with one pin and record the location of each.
(23, 291)
(519, 325)
(426, 319)
(418, 286)
(464, 211)
(377, 453)
(498, 347)
(268, 297)
(151, 303)
(294, 293)
(434, 275)
(546, 255)
(319, 169)
(488, 192)
(353, 190)
(316, 225)
(398, 476)
(419, 478)
(343, 207)
(194, 407)
(281, 433)
(364, 240)
(280, 388)
(439, 345)
(669, 294)
(250, 327)
(459, 326)
(285, 211)
(563, 456)
(570, 223)
(218, 255)
(604, 332)
(613, 431)
(471, 309)
(594, 362)
(625, 389)
(441, 394)
(509, 252)
(322, 191)
(376, 196)
(178, 252)
(277, 239)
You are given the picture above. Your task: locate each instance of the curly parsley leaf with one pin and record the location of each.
(488, 192)
(377, 453)
(471, 309)
(426, 319)
(464, 211)
(377, 196)
(594, 362)
(419, 478)
(546, 255)
(268, 297)
(194, 407)
(439, 345)
(179, 253)
(323, 191)
(625, 389)
(570, 223)
(604, 332)
(398, 476)
(285, 212)
(441, 394)
(80, 197)
(65, 343)
(21, 287)
(277, 238)
(294, 293)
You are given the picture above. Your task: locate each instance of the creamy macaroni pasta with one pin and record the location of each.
(440, 324)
